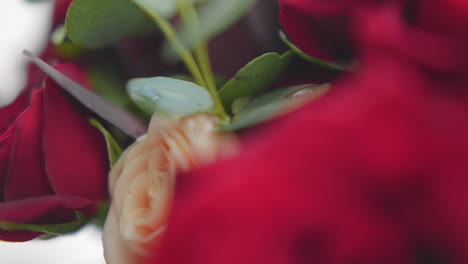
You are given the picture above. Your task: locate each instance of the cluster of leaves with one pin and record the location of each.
(240, 102)
(92, 24)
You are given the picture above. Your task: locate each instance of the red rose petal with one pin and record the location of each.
(373, 172)
(6, 142)
(26, 175)
(324, 38)
(317, 7)
(75, 152)
(8, 114)
(54, 209)
(451, 16)
(385, 28)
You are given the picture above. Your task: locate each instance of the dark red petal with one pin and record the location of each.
(6, 142)
(385, 28)
(366, 174)
(324, 38)
(54, 209)
(452, 16)
(9, 113)
(75, 152)
(317, 7)
(26, 175)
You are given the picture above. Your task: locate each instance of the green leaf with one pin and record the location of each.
(239, 104)
(162, 8)
(169, 97)
(53, 229)
(254, 77)
(101, 213)
(47, 237)
(270, 105)
(113, 148)
(214, 17)
(95, 24)
(300, 53)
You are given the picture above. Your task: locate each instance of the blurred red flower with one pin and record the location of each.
(373, 172)
(52, 161)
(340, 30)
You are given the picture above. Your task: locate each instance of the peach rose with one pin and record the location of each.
(142, 181)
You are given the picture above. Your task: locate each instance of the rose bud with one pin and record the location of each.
(141, 182)
(52, 161)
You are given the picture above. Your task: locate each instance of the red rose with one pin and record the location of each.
(52, 161)
(334, 30)
(373, 172)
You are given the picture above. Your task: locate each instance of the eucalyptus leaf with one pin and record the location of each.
(169, 97)
(300, 53)
(113, 148)
(214, 17)
(162, 8)
(253, 78)
(239, 104)
(95, 24)
(53, 229)
(273, 104)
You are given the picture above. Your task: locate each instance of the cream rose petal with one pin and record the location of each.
(142, 181)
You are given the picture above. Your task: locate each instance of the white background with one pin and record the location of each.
(25, 25)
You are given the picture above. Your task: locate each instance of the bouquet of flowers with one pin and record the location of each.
(245, 131)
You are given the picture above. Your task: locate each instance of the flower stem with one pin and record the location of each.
(185, 54)
(189, 16)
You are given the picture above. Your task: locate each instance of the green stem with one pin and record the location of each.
(189, 16)
(185, 54)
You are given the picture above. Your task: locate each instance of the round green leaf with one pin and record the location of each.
(272, 104)
(97, 23)
(253, 78)
(168, 96)
(162, 8)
